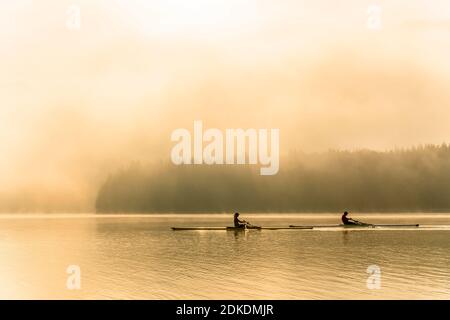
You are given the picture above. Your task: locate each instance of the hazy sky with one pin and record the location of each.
(77, 103)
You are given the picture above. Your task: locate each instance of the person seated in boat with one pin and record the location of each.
(239, 223)
(348, 221)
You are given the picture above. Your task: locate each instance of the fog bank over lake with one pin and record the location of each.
(412, 180)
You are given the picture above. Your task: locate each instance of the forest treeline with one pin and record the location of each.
(415, 179)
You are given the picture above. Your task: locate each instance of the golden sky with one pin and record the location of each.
(77, 103)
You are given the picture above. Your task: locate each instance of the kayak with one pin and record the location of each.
(235, 228)
(365, 225)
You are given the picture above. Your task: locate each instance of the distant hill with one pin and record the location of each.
(416, 179)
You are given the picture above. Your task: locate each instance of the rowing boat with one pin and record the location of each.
(357, 226)
(235, 228)
(212, 229)
(296, 227)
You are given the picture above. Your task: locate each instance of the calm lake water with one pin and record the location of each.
(139, 257)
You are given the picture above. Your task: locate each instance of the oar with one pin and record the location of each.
(251, 225)
(365, 224)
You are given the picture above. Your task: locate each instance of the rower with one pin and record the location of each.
(348, 221)
(239, 223)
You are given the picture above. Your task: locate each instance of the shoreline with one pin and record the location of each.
(219, 215)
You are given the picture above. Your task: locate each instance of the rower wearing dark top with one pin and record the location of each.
(239, 223)
(348, 221)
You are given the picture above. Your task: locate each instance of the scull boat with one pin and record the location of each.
(365, 225)
(235, 228)
(296, 227)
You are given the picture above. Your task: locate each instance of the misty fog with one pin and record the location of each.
(78, 105)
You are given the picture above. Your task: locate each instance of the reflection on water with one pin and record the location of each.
(139, 257)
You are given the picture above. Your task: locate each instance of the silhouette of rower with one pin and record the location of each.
(348, 221)
(239, 223)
